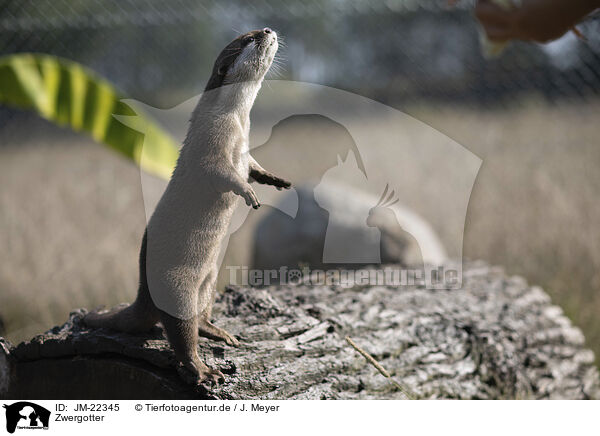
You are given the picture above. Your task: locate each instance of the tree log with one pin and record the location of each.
(496, 338)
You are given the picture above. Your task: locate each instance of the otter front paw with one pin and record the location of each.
(278, 182)
(249, 196)
(266, 178)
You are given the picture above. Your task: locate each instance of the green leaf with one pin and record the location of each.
(68, 94)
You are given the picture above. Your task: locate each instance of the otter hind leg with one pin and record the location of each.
(207, 293)
(208, 330)
(183, 337)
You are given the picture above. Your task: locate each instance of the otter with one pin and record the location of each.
(179, 250)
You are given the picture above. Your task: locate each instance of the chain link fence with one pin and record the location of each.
(396, 51)
(535, 206)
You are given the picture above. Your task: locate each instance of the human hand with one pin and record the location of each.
(532, 20)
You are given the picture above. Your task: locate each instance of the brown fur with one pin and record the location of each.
(177, 259)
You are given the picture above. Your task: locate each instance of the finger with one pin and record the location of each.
(489, 13)
(499, 33)
(578, 34)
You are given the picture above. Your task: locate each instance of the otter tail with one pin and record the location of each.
(140, 316)
(124, 317)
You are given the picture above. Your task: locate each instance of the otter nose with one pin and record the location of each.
(267, 30)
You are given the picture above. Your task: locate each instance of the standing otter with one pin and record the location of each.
(178, 256)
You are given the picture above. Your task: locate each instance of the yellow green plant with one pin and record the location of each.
(69, 94)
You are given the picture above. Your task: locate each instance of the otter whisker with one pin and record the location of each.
(276, 67)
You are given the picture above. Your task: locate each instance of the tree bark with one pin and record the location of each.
(496, 338)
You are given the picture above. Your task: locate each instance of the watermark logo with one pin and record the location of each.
(25, 415)
(380, 276)
(373, 188)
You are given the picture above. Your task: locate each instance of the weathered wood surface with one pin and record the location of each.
(495, 338)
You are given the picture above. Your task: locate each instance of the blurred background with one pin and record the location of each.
(71, 212)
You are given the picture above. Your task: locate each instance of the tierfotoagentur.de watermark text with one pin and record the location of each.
(433, 277)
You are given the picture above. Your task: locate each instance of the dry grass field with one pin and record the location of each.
(535, 207)
(72, 215)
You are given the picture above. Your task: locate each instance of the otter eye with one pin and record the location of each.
(247, 40)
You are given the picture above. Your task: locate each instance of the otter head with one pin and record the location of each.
(245, 59)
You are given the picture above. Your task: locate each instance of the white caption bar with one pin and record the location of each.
(321, 417)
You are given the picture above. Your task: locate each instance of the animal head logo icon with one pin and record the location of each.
(25, 414)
